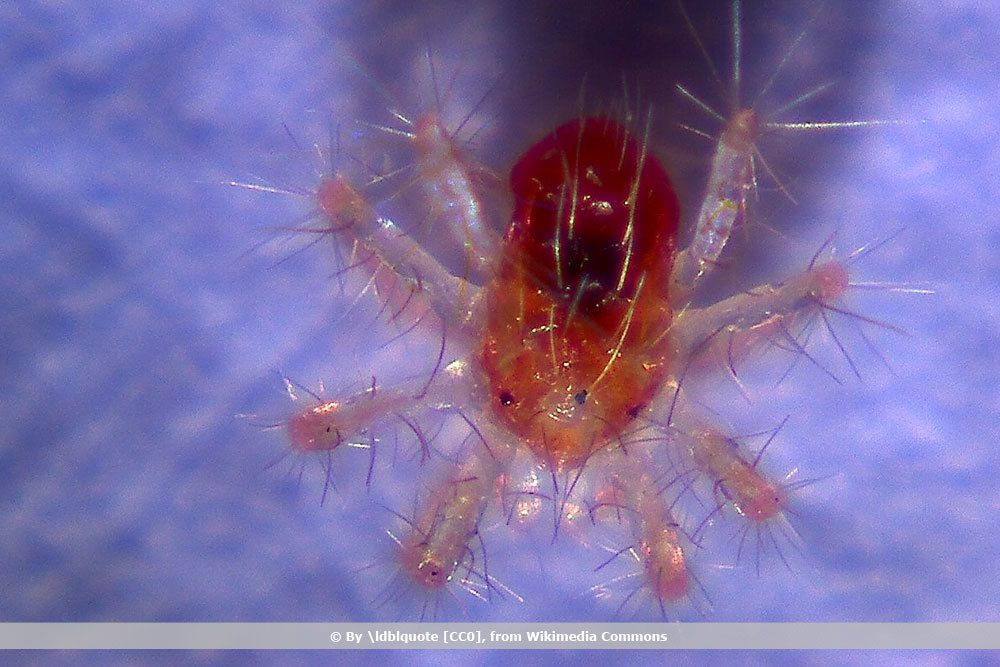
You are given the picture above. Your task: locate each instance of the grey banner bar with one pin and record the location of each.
(499, 635)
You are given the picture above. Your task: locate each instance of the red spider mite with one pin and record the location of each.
(576, 336)
(574, 348)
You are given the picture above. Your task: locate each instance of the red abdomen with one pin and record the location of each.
(575, 341)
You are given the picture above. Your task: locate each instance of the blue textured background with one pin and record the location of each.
(133, 328)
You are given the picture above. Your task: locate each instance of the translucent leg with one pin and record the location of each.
(695, 329)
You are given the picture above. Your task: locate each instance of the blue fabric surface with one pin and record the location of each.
(135, 327)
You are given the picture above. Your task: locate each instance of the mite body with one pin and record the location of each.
(574, 338)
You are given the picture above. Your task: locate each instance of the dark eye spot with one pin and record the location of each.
(580, 397)
(506, 398)
(327, 429)
(634, 411)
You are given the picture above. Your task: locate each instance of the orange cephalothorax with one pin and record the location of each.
(575, 339)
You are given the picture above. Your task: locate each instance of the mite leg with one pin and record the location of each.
(724, 202)
(450, 180)
(739, 482)
(761, 308)
(353, 218)
(440, 542)
(326, 425)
